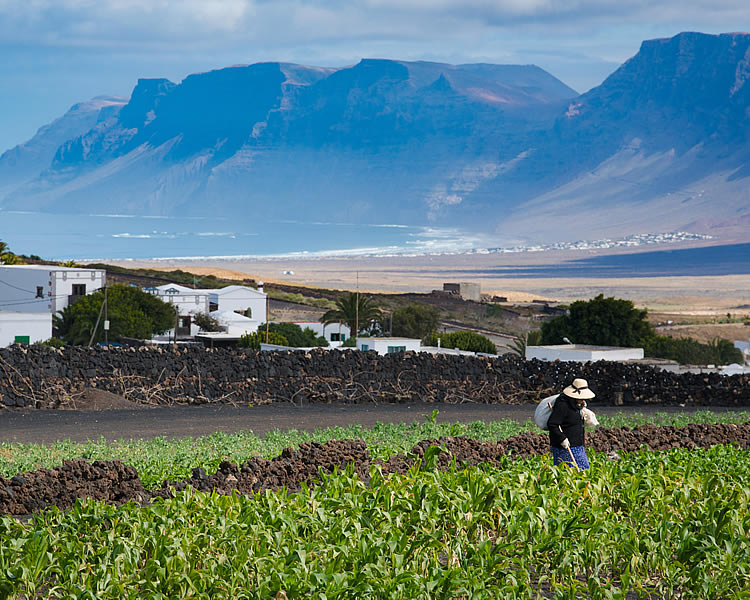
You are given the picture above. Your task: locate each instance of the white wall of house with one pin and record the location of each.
(335, 333)
(235, 324)
(44, 288)
(582, 353)
(743, 347)
(29, 327)
(187, 300)
(389, 345)
(240, 297)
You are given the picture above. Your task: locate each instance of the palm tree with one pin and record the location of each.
(530, 338)
(354, 310)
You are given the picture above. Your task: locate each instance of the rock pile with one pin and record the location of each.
(41, 377)
(116, 483)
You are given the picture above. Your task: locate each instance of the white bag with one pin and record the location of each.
(544, 410)
(589, 418)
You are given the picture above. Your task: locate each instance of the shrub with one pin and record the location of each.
(254, 340)
(206, 322)
(463, 340)
(296, 336)
(415, 321)
(688, 351)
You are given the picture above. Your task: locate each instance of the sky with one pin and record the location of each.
(54, 53)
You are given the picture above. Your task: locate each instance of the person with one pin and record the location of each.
(566, 426)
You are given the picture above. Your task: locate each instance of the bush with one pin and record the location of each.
(463, 340)
(132, 313)
(52, 342)
(415, 321)
(206, 322)
(688, 351)
(601, 322)
(254, 340)
(296, 336)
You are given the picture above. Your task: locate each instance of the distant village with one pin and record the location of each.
(631, 241)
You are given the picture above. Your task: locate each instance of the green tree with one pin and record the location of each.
(296, 336)
(131, 313)
(600, 321)
(254, 340)
(355, 310)
(6, 256)
(463, 340)
(415, 321)
(206, 322)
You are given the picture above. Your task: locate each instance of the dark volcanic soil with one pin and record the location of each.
(117, 483)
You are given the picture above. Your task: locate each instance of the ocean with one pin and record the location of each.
(107, 236)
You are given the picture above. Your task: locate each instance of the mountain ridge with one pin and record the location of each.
(509, 150)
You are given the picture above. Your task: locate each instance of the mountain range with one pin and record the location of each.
(660, 145)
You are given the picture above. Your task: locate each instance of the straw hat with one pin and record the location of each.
(579, 390)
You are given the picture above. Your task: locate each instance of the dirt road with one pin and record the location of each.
(181, 421)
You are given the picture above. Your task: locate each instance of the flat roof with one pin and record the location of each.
(49, 268)
(584, 347)
(389, 339)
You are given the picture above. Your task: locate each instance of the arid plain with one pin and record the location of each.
(520, 277)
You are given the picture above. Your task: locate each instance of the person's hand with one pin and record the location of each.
(565, 444)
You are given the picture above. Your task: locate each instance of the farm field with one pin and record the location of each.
(486, 516)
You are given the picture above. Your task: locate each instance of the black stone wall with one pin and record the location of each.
(41, 377)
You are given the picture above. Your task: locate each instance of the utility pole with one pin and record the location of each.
(268, 314)
(356, 311)
(106, 318)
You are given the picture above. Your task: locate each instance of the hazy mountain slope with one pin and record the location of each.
(29, 159)
(380, 138)
(661, 144)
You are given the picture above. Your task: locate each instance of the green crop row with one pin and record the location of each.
(162, 459)
(673, 524)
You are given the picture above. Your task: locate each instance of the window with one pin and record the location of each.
(395, 349)
(22, 339)
(336, 337)
(365, 347)
(40, 291)
(79, 289)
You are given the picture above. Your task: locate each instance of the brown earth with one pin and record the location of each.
(114, 482)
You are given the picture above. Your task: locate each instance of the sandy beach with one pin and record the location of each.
(504, 275)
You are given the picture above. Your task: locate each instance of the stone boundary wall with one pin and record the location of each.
(41, 377)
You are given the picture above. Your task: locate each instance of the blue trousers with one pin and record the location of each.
(561, 455)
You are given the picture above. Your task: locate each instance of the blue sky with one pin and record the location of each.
(54, 53)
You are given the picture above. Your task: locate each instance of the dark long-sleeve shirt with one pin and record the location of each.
(565, 422)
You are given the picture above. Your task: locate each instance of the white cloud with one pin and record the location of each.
(279, 22)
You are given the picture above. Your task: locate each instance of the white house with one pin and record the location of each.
(743, 347)
(582, 353)
(240, 298)
(186, 300)
(25, 328)
(45, 288)
(234, 323)
(335, 333)
(31, 294)
(389, 345)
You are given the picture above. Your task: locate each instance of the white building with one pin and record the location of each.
(45, 288)
(582, 353)
(240, 298)
(234, 323)
(186, 300)
(335, 333)
(31, 294)
(389, 345)
(24, 328)
(744, 347)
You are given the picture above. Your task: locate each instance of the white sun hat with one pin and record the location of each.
(579, 390)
